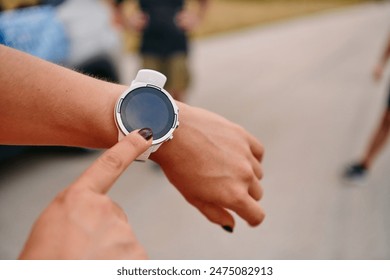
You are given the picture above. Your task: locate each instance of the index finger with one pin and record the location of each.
(102, 174)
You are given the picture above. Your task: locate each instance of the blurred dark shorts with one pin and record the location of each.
(175, 67)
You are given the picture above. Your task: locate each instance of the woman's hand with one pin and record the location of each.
(215, 164)
(83, 222)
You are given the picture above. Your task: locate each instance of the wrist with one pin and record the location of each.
(169, 148)
(109, 129)
(104, 133)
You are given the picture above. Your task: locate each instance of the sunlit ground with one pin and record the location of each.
(229, 15)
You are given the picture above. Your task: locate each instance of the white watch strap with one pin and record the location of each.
(145, 155)
(150, 77)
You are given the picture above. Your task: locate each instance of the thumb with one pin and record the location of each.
(102, 174)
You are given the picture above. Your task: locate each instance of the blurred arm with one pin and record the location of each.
(135, 22)
(189, 19)
(203, 7)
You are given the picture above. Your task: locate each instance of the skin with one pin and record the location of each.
(223, 176)
(45, 104)
(82, 222)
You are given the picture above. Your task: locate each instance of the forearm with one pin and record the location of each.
(46, 104)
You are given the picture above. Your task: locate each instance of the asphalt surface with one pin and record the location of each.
(303, 87)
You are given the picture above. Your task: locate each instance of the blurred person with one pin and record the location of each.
(359, 169)
(214, 163)
(164, 26)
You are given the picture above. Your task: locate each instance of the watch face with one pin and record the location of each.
(148, 107)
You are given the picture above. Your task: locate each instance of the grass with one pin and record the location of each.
(229, 15)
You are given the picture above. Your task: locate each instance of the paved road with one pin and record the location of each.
(303, 87)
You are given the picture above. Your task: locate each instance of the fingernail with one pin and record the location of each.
(228, 228)
(146, 133)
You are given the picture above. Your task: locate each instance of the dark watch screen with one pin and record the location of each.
(147, 107)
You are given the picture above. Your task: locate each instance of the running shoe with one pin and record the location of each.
(355, 172)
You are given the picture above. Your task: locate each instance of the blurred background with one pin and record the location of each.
(296, 74)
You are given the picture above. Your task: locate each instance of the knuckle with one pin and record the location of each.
(257, 220)
(131, 241)
(74, 192)
(71, 195)
(111, 161)
(99, 203)
(237, 198)
(105, 204)
(102, 206)
(246, 173)
(261, 148)
(61, 196)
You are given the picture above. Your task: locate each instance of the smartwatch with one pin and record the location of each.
(145, 104)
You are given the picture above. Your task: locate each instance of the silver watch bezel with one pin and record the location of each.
(137, 85)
